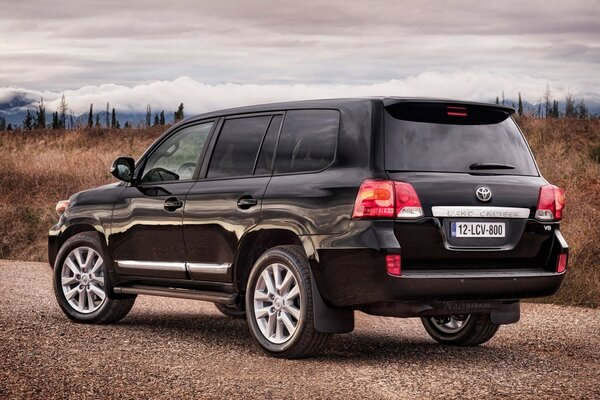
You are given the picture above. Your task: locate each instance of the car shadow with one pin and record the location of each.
(358, 346)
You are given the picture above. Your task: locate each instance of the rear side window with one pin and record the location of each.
(308, 140)
(237, 146)
(454, 138)
(267, 150)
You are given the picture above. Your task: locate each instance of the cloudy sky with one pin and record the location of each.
(225, 53)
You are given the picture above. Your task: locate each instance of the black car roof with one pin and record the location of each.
(339, 102)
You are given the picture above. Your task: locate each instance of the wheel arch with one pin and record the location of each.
(73, 228)
(256, 242)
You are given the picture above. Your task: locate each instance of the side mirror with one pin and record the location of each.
(122, 168)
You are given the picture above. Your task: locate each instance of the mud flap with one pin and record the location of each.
(507, 314)
(329, 320)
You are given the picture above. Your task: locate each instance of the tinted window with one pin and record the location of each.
(308, 140)
(455, 139)
(237, 147)
(176, 158)
(267, 150)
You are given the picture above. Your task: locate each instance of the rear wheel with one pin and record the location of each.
(231, 311)
(460, 330)
(279, 304)
(81, 282)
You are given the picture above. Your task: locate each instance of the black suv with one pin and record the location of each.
(294, 215)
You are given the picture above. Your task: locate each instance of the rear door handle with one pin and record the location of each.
(172, 204)
(246, 202)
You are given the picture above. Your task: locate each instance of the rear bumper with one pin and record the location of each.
(356, 277)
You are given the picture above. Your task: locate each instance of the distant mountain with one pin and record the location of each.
(14, 110)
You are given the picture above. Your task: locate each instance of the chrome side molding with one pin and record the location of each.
(208, 268)
(152, 265)
(479, 212)
(195, 269)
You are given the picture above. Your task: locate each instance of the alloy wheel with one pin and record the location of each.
(82, 280)
(277, 303)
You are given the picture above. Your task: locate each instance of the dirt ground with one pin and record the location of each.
(171, 349)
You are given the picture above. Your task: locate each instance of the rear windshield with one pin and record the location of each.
(446, 138)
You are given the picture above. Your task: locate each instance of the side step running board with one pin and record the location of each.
(215, 297)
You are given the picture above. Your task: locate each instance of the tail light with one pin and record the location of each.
(61, 207)
(551, 203)
(393, 263)
(561, 263)
(387, 199)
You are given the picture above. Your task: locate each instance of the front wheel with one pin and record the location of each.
(279, 304)
(81, 282)
(460, 330)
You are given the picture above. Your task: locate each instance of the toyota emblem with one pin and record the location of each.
(483, 193)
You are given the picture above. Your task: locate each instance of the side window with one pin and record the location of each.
(308, 140)
(267, 150)
(237, 146)
(175, 159)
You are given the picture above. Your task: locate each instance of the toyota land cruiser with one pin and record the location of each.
(295, 215)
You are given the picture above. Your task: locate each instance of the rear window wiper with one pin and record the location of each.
(490, 166)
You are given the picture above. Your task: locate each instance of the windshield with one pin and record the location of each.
(437, 140)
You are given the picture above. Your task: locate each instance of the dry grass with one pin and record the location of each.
(38, 169)
(564, 152)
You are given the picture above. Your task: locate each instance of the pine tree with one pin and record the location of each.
(113, 122)
(9, 127)
(156, 120)
(162, 117)
(582, 110)
(555, 113)
(91, 116)
(497, 100)
(178, 115)
(55, 121)
(503, 97)
(63, 110)
(107, 115)
(570, 111)
(28, 121)
(127, 125)
(98, 120)
(40, 115)
(2, 123)
(148, 115)
(520, 109)
(548, 101)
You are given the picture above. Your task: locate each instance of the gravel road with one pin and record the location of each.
(170, 348)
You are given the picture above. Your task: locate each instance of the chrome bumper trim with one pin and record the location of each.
(479, 212)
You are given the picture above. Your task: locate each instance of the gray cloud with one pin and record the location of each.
(62, 45)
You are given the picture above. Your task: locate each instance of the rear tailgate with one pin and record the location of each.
(449, 152)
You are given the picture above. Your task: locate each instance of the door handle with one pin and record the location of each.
(172, 204)
(246, 202)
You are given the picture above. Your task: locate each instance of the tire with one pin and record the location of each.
(282, 321)
(474, 330)
(93, 306)
(231, 311)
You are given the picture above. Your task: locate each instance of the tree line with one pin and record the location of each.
(548, 107)
(64, 118)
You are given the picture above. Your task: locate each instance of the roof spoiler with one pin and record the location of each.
(390, 101)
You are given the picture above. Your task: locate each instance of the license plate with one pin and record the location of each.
(478, 229)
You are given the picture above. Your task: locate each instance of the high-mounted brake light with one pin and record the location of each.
(456, 111)
(551, 203)
(387, 199)
(61, 207)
